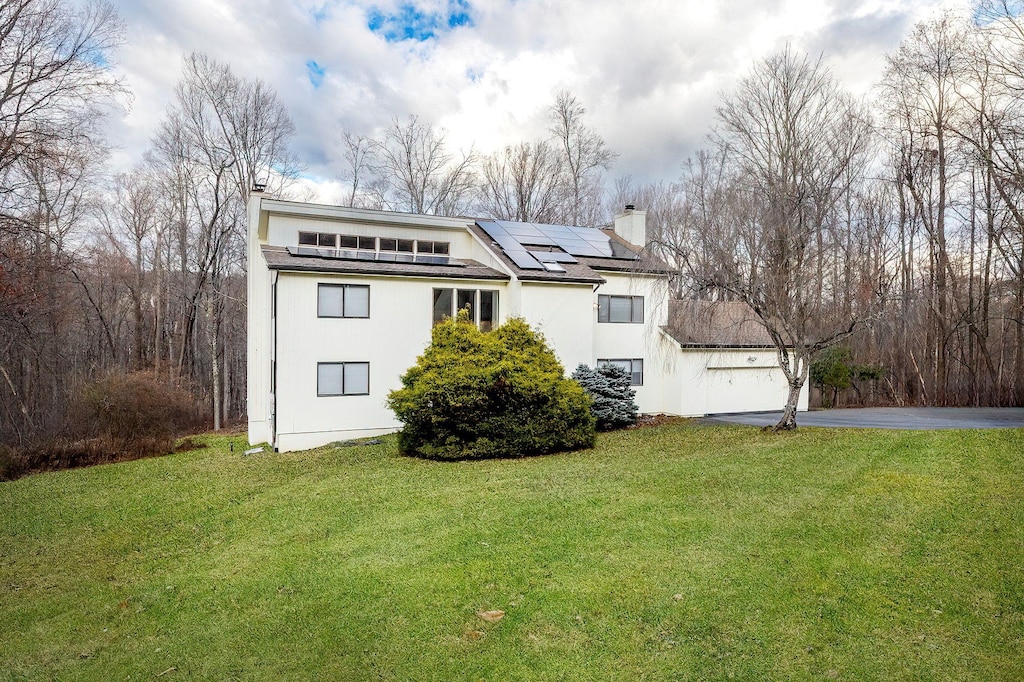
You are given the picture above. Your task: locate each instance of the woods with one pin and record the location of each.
(889, 226)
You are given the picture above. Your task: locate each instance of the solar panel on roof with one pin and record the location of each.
(552, 257)
(576, 241)
(374, 256)
(524, 260)
(492, 228)
(538, 240)
(521, 229)
(507, 242)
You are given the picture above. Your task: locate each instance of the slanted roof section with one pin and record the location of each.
(311, 260)
(561, 253)
(562, 267)
(715, 324)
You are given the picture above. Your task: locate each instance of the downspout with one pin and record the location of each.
(273, 362)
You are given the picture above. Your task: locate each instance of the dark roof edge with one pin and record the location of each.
(378, 273)
(561, 280)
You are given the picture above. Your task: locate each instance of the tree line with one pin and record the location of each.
(891, 226)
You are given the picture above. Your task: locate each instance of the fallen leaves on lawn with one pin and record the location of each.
(491, 616)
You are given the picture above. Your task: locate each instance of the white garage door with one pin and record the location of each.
(745, 389)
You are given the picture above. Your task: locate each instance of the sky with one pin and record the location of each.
(649, 72)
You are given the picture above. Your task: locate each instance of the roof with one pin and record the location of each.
(721, 324)
(574, 272)
(279, 258)
(560, 253)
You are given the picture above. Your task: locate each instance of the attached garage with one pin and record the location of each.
(724, 361)
(744, 389)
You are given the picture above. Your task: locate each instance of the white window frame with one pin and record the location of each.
(474, 306)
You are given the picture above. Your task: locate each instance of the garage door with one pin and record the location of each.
(745, 389)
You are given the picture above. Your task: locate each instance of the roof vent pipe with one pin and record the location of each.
(630, 207)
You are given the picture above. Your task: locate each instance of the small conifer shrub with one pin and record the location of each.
(611, 395)
(477, 395)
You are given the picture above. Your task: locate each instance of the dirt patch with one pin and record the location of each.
(646, 420)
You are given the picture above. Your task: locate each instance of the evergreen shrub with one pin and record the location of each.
(477, 395)
(611, 395)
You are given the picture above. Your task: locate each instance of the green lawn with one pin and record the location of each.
(679, 553)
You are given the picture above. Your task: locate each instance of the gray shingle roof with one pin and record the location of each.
(723, 324)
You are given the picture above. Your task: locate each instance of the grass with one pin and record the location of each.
(678, 552)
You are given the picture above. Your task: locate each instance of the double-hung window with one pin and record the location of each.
(342, 378)
(343, 300)
(634, 367)
(629, 309)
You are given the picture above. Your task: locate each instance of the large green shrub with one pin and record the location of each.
(611, 392)
(503, 393)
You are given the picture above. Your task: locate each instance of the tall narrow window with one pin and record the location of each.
(442, 305)
(342, 378)
(343, 300)
(488, 310)
(467, 301)
(620, 309)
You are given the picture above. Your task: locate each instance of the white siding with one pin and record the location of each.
(397, 331)
(618, 340)
(564, 314)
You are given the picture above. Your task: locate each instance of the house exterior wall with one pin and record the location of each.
(396, 332)
(722, 380)
(259, 340)
(287, 339)
(627, 341)
(564, 314)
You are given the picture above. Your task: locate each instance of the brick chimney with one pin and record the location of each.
(631, 225)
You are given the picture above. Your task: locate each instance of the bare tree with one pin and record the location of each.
(791, 141)
(417, 173)
(523, 182)
(53, 67)
(221, 136)
(358, 153)
(584, 156)
(52, 59)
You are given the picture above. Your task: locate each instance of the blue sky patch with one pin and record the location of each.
(315, 73)
(1015, 8)
(413, 23)
(318, 14)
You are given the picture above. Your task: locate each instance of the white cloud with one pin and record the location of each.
(649, 71)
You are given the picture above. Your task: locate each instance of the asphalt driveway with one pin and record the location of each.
(918, 418)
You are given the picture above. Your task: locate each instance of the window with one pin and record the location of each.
(387, 244)
(405, 245)
(351, 241)
(343, 300)
(620, 309)
(440, 248)
(482, 305)
(634, 367)
(488, 310)
(442, 305)
(321, 239)
(342, 378)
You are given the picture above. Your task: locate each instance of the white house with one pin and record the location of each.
(342, 301)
